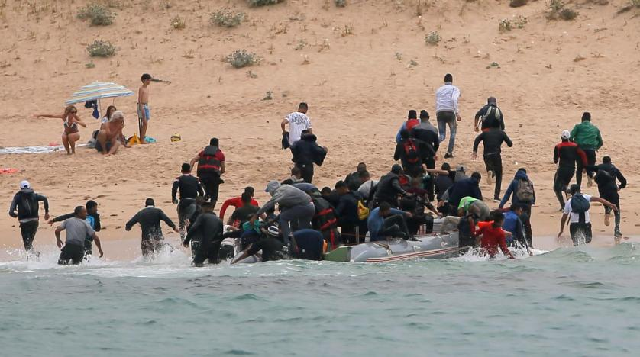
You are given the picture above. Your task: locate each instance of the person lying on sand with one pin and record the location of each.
(108, 137)
(70, 122)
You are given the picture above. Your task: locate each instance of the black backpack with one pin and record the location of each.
(604, 177)
(27, 205)
(580, 205)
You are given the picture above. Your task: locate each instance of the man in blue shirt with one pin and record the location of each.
(385, 221)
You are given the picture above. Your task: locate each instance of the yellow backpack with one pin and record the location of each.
(363, 211)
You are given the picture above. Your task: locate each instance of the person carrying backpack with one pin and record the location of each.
(489, 116)
(606, 177)
(578, 207)
(408, 154)
(522, 194)
(26, 203)
(412, 122)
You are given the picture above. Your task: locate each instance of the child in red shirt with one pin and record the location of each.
(492, 236)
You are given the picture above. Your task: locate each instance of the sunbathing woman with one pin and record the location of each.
(70, 121)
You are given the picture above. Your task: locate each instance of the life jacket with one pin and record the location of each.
(325, 220)
(411, 152)
(208, 163)
(412, 123)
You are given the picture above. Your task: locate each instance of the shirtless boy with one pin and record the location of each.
(109, 134)
(144, 114)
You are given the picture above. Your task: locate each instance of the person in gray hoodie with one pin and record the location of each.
(296, 208)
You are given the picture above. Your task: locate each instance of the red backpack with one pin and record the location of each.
(411, 152)
(412, 123)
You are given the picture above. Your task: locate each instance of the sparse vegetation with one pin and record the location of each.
(258, 3)
(100, 48)
(98, 14)
(508, 25)
(178, 23)
(341, 3)
(227, 18)
(558, 11)
(635, 3)
(432, 38)
(90, 65)
(518, 3)
(242, 58)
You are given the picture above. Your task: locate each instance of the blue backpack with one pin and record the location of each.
(580, 205)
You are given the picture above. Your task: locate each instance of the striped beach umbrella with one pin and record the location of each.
(97, 91)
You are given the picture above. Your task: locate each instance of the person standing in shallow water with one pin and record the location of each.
(149, 219)
(26, 202)
(578, 207)
(447, 112)
(78, 229)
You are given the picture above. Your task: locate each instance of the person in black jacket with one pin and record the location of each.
(606, 177)
(149, 219)
(490, 116)
(93, 218)
(307, 152)
(347, 213)
(388, 189)
(209, 229)
(188, 187)
(467, 187)
(354, 179)
(492, 140)
(426, 136)
(26, 202)
(408, 152)
(567, 155)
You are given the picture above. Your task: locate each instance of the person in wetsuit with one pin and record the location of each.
(26, 202)
(209, 230)
(566, 155)
(272, 248)
(149, 219)
(188, 187)
(607, 176)
(211, 166)
(492, 140)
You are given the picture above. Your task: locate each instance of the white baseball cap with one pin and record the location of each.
(25, 184)
(566, 135)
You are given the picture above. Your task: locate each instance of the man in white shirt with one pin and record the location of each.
(447, 112)
(298, 121)
(580, 222)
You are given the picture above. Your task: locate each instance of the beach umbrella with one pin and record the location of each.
(97, 91)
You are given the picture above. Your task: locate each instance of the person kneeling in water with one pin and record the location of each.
(271, 247)
(491, 236)
(208, 227)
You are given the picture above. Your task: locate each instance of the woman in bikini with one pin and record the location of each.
(70, 121)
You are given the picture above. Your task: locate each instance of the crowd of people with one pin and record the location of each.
(310, 220)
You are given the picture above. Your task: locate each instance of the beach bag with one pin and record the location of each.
(363, 211)
(580, 205)
(411, 152)
(525, 192)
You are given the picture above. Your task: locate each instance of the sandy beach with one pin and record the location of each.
(360, 68)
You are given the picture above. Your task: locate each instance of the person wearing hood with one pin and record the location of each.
(492, 140)
(409, 125)
(566, 154)
(306, 153)
(211, 166)
(388, 188)
(588, 138)
(296, 208)
(26, 202)
(606, 177)
(489, 116)
(465, 188)
(523, 194)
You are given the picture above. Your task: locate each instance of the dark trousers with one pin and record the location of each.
(612, 196)
(414, 223)
(209, 252)
(186, 208)
(561, 181)
(430, 163)
(526, 221)
(28, 231)
(493, 162)
(71, 254)
(307, 172)
(348, 232)
(580, 232)
(211, 184)
(150, 246)
(395, 226)
(591, 161)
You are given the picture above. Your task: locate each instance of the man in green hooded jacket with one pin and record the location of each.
(588, 138)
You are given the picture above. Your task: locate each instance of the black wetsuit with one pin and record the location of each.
(606, 177)
(566, 155)
(388, 189)
(149, 219)
(189, 188)
(209, 229)
(26, 201)
(272, 248)
(492, 140)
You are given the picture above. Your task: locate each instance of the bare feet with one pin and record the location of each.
(607, 217)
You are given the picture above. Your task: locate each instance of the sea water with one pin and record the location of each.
(582, 301)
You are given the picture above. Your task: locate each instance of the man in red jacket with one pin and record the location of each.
(492, 236)
(237, 202)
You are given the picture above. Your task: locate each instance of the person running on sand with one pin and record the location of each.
(298, 122)
(211, 166)
(108, 141)
(70, 121)
(447, 112)
(588, 138)
(144, 113)
(489, 116)
(566, 155)
(492, 140)
(606, 177)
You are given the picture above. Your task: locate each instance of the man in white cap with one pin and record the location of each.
(26, 202)
(296, 208)
(566, 154)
